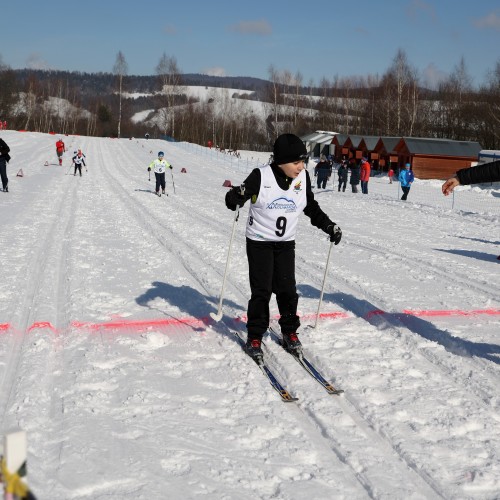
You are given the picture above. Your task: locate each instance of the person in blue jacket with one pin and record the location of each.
(406, 178)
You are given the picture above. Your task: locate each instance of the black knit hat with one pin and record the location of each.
(288, 148)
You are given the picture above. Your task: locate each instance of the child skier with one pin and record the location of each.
(78, 160)
(159, 167)
(278, 193)
(60, 150)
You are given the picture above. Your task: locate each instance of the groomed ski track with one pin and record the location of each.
(106, 295)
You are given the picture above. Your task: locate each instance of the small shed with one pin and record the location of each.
(384, 148)
(319, 142)
(341, 150)
(436, 158)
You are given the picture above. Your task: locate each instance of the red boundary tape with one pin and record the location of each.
(141, 325)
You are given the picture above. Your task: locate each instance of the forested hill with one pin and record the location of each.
(99, 83)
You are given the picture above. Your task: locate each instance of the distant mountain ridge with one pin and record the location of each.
(105, 83)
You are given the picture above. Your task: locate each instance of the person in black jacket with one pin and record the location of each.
(355, 176)
(4, 159)
(342, 175)
(279, 192)
(488, 172)
(322, 171)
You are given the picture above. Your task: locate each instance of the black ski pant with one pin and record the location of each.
(3, 173)
(160, 181)
(79, 168)
(271, 268)
(322, 179)
(342, 184)
(406, 190)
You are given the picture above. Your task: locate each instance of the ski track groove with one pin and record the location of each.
(333, 440)
(159, 227)
(451, 367)
(399, 328)
(189, 253)
(52, 248)
(459, 279)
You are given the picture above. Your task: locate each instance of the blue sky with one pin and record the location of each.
(320, 39)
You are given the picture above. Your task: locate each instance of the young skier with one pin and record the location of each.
(78, 160)
(278, 193)
(60, 150)
(159, 167)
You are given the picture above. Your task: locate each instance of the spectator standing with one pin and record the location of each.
(364, 175)
(342, 175)
(322, 171)
(406, 178)
(355, 174)
(4, 159)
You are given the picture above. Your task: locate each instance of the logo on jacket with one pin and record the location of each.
(282, 204)
(297, 188)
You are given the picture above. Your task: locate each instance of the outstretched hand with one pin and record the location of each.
(450, 185)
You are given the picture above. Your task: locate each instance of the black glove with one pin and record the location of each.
(234, 198)
(149, 169)
(170, 167)
(335, 233)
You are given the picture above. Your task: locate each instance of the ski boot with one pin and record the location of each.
(292, 344)
(254, 350)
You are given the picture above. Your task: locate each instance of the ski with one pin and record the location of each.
(285, 396)
(308, 366)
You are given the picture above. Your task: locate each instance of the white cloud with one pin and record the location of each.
(261, 27)
(214, 71)
(419, 6)
(433, 76)
(35, 61)
(170, 29)
(492, 20)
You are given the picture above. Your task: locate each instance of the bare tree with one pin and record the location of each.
(171, 87)
(120, 69)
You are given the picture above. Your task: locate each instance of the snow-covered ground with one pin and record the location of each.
(127, 389)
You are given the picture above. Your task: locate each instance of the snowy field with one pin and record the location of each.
(128, 390)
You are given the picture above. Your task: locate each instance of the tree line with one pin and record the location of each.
(393, 104)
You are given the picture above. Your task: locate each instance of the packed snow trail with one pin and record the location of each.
(127, 389)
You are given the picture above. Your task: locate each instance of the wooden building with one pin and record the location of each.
(384, 148)
(436, 158)
(429, 158)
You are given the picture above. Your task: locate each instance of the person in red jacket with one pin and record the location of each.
(364, 175)
(60, 150)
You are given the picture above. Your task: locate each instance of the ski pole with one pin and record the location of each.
(324, 281)
(149, 172)
(217, 317)
(172, 174)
